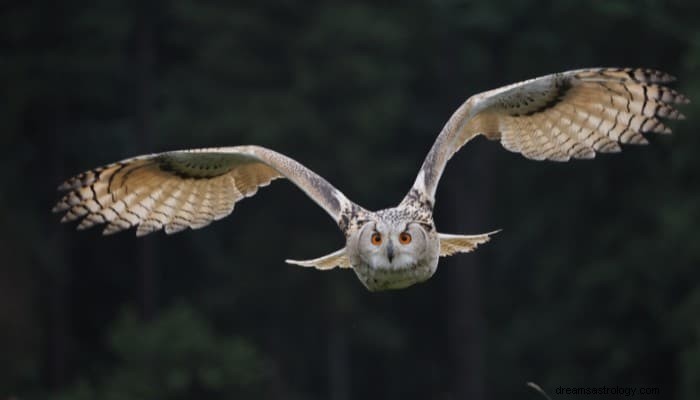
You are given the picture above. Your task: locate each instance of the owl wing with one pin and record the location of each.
(557, 117)
(184, 189)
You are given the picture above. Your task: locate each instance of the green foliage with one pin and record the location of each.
(177, 356)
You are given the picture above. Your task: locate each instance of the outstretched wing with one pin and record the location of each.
(557, 117)
(184, 189)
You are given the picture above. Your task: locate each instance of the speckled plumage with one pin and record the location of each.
(556, 117)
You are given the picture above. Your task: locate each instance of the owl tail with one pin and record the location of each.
(451, 244)
(330, 261)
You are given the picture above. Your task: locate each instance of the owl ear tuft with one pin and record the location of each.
(330, 261)
(451, 244)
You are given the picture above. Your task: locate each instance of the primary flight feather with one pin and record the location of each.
(573, 114)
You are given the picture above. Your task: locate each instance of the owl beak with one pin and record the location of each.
(390, 251)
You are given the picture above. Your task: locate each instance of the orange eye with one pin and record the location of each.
(405, 238)
(376, 239)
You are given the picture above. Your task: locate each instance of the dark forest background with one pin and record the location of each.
(594, 281)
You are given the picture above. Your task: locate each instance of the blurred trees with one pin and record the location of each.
(592, 282)
(177, 356)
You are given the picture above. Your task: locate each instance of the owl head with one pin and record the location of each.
(390, 253)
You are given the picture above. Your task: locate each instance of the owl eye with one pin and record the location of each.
(376, 239)
(405, 238)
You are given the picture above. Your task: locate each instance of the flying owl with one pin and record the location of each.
(555, 117)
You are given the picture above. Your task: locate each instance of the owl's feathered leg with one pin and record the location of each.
(330, 261)
(451, 244)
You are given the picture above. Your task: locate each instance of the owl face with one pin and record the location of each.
(394, 254)
(393, 246)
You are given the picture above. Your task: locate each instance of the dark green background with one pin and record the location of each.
(593, 281)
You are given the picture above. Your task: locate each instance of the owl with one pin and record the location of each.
(561, 116)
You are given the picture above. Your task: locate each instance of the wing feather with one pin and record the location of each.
(184, 189)
(560, 116)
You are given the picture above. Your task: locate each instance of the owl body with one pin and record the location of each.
(569, 115)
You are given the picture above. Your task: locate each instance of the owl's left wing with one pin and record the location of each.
(557, 117)
(185, 189)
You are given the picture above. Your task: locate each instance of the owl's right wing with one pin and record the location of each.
(185, 189)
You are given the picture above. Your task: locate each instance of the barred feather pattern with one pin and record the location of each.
(557, 117)
(579, 113)
(139, 192)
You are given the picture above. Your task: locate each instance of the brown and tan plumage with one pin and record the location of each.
(573, 114)
(183, 189)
